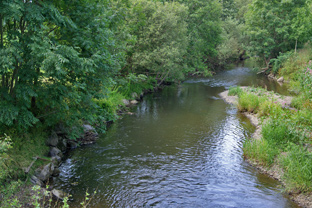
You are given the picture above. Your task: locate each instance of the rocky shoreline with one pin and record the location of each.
(60, 144)
(275, 172)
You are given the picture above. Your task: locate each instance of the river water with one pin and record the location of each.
(181, 148)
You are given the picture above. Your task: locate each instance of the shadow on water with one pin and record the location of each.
(181, 148)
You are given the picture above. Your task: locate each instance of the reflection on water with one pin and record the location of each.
(182, 148)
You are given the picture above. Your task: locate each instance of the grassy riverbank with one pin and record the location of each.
(284, 149)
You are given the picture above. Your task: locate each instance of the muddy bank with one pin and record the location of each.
(302, 199)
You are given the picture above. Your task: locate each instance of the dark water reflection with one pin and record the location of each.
(182, 148)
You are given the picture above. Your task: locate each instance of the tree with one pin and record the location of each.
(160, 33)
(275, 26)
(204, 34)
(55, 56)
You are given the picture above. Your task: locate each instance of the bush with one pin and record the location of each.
(278, 62)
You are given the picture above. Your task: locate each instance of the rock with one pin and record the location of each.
(271, 76)
(36, 181)
(53, 139)
(59, 194)
(60, 129)
(54, 152)
(56, 160)
(88, 129)
(134, 95)
(46, 172)
(126, 102)
(134, 102)
(62, 145)
(56, 172)
(281, 79)
(71, 144)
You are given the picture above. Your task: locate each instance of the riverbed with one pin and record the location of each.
(182, 147)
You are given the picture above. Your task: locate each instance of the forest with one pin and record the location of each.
(74, 62)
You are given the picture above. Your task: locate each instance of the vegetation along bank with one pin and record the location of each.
(67, 67)
(281, 145)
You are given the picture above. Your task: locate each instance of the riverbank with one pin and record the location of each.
(277, 168)
(31, 160)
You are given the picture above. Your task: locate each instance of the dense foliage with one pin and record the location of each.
(277, 26)
(73, 62)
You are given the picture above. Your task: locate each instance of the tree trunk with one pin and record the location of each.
(296, 46)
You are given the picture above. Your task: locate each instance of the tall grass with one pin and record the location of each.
(235, 91)
(250, 102)
(298, 168)
(260, 151)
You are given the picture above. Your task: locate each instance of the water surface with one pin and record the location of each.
(181, 148)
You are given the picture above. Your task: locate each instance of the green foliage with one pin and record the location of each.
(235, 91)
(260, 151)
(270, 108)
(55, 56)
(277, 133)
(298, 168)
(204, 35)
(233, 43)
(272, 32)
(278, 62)
(5, 160)
(250, 102)
(160, 32)
(136, 84)
(110, 105)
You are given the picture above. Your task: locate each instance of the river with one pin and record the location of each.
(181, 148)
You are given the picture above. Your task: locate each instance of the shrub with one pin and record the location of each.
(278, 62)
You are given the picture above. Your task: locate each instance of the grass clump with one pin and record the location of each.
(270, 108)
(250, 102)
(298, 168)
(260, 151)
(235, 91)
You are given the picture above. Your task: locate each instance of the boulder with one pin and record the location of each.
(134, 102)
(54, 152)
(53, 139)
(126, 102)
(134, 95)
(56, 172)
(88, 128)
(281, 79)
(59, 194)
(56, 160)
(36, 181)
(71, 144)
(46, 172)
(271, 76)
